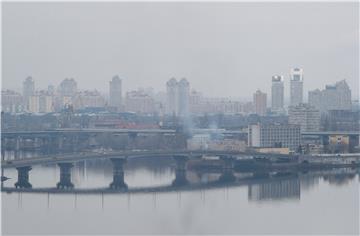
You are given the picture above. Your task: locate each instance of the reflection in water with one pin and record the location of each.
(261, 185)
(278, 189)
(204, 205)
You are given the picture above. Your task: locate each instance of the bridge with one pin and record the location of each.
(13, 134)
(267, 178)
(118, 159)
(76, 157)
(75, 140)
(158, 189)
(56, 133)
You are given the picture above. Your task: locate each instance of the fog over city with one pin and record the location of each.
(218, 47)
(184, 118)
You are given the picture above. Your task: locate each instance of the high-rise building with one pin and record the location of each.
(333, 97)
(140, 102)
(51, 89)
(66, 91)
(68, 87)
(277, 94)
(177, 94)
(305, 115)
(195, 101)
(11, 101)
(28, 90)
(315, 98)
(183, 99)
(34, 106)
(260, 103)
(274, 135)
(88, 99)
(46, 101)
(296, 86)
(41, 102)
(172, 97)
(115, 92)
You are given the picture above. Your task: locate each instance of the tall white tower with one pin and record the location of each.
(296, 86)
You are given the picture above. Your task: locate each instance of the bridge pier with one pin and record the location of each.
(23, 177)
(47, 142)
(3, 147)
(75, 143)
(118, 174)
(227, 169)
(3, 153)
(60, 142)
(132, 139)
(65, 176)
(18, 142)
(180, 171)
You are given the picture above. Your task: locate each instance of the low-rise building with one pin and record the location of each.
(273, 150)
(339, 143)
(205, 142)
(274, 135)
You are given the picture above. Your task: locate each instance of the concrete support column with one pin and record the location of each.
(60, 142)
(133, 140)
(92, 141)
(36, 142)
(16, 154)
(227, 169)
(48, 144)
(23, 177)
(3, 153)
(18, 143)
(65, 176)
(3, 147)
(118, 174)
(180, 171)
(74, 143)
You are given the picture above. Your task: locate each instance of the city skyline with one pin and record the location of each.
(270, 83)
(226, 51)
(178, 99)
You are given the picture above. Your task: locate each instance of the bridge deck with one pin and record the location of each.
(121, 154)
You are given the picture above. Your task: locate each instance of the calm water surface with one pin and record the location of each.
(312, 203)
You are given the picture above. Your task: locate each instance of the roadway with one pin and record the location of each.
(81, 156)
(53, 159)
(84, 131)
(105, 155)
(152, 131)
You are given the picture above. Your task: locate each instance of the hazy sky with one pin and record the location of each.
(223, 49)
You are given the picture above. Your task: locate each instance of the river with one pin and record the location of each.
(323, 202)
